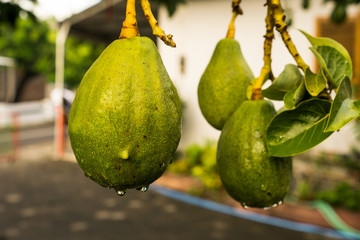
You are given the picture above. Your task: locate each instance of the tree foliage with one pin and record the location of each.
(10, 11)
(339, 12)
(171, 5)
(32, 44)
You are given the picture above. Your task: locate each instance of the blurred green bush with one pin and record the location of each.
(343, 195)
(200, 162)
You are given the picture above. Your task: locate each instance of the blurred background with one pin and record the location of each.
(47, 46)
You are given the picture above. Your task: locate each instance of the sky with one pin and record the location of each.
(61, 9)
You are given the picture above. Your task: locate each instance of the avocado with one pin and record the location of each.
(249, 174)
(222, 87)
(125, 122)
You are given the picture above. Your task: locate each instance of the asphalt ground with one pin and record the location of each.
(53, 200)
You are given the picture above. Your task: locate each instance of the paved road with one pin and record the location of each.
(52, 200)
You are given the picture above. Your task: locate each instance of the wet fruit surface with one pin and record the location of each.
(248, 173)
(125, 121)
(223, 85)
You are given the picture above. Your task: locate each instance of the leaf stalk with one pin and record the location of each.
(281, 27)
(157, 31)
(266, 71)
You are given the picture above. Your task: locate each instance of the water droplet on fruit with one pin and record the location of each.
(120, 193)
(244, 205)
(144, 189)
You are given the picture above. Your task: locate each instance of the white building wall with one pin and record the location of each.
(198, 25)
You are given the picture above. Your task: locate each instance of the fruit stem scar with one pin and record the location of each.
(281, 27)
(236, 10)
(130, 28)
(157, 31)
(266, 71)
(124, 154)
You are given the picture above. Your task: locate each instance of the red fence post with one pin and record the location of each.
(60, 132)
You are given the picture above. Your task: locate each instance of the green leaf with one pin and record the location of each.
(323, 65)
(294, 96)
(337, 64)
(322, 41)
(288, 79)
(295, 131)
(315, 83)
(343, 109)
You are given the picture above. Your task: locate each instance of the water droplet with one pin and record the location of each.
(280, 203)
(274, 205)
(120, 193)
(266, 208)
(244, 205)
(144, 189)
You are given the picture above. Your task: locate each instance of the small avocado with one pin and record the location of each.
(222, 87)
(125, 122)
(249, 174)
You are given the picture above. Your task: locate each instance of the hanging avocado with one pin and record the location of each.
(223, 85)
(125, 122)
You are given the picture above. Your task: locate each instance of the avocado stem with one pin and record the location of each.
(130, 28)
(231, 30)
(236, 10)
(266, 71)
(157, 31)
(281, 27)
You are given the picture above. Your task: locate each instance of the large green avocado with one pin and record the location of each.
(248, 173)
(125, 122)
(222, 87)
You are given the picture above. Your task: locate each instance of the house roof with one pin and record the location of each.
(103, 21)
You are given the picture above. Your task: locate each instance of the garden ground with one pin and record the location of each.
(47, 199)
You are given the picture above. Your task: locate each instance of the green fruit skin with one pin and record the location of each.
(125, 122)
(222, 87)
(248, 173)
